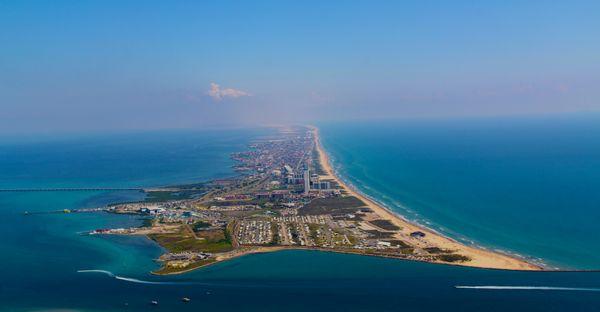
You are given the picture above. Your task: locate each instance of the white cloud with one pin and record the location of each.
(218, 93)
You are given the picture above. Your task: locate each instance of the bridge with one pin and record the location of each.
(72, 189)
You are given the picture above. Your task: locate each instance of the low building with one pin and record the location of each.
(263, 195)
(322, 185)
(417, 234)
(280, 194)
(384, 244)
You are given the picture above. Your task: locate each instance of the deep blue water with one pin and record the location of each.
(119, 160)
(40, 254)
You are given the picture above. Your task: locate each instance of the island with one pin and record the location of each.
(286, 195)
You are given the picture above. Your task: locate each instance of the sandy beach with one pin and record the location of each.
(480, 258)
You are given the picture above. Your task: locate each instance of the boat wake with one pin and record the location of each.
(129, 279)
(528, 288)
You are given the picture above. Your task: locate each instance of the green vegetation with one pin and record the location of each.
(235, 202)
(313, 232)
(227, 235)
(275, 231)
(385, 224)
(331, 205)
(353, 240)
(200, 225)
(211, 241)
(339, 237)
(192, 186)
(147, 222)
(378, 234)
(294, 232)
(453, 258)
(406, 251)
(163, 196)
(436, 250)
(171, 270)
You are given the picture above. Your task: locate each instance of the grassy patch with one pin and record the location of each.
(332, 205)
(163, 196)
(313, 228)
(171, 270)
(275, 230)
(378, 234)
(453, 258)
(211, 241)
(385, 224)
(435, 250)
(406, 251)
(198, 226)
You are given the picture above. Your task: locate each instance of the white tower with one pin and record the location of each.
(306, 181)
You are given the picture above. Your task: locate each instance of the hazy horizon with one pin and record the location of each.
(122, 65)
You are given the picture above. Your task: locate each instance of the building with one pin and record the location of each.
(274, 184)
(384, 244)
(264, 195)
(297, 178)
(280, 194)
(288, 169)
(306, 181)
(321, 185)
(417, 234)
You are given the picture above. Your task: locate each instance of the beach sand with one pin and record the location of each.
(480, 258)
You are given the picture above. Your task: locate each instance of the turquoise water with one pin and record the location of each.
(524, 185)
(40, 254)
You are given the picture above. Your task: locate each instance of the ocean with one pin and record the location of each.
(528, 186)
(46, 264)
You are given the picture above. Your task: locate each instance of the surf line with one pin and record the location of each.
(129, 279)
(528, 288)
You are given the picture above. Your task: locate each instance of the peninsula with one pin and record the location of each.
(287, 196)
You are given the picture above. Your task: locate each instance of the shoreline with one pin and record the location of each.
(464, 241)
(480, 258)
(270, 249)
(475, 256)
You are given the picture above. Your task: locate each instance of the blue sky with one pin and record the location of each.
(109, 65)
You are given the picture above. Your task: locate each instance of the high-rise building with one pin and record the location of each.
(306, 181)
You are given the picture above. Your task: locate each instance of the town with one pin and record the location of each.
(282, 198)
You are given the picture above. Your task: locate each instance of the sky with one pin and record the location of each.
(68, 66)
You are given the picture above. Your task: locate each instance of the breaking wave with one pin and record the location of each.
(128, 279)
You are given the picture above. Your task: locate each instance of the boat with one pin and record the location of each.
(154, 302)
(185, 299)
